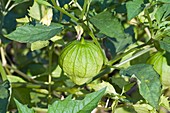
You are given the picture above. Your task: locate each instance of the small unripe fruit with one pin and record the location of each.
(81, 61)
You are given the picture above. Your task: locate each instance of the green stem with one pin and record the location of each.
(28, 85)
(114, 105)
(111, 62)
(84, 8)
(63, 11)
(22, 74)
(97, 43)
(2, 5)
(40, 110)
(3, 73)
(50, 70)
(133, 57)
(150, 21)
(7, 4)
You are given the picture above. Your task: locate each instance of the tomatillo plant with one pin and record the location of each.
(83, 56)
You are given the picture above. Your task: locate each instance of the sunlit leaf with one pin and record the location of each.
(160, 62)
(164, 102)
(109, 88)
(144, 108)
(36, 11)
(39, 44)
(43, 2)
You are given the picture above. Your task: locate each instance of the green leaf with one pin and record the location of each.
(160, 63)
(164, 102)
(77, 106)
(20, 1)
(144, 108)
(120, 81)
(23, 108)
(165, 44)
(43, 2)
(36, 11)
(126, 109)
(39, 45)
(29, 33)
(4, 96)
(163, 12)
(108, 24)
(13, 78)
(145, 75)
(164, 1)
(134, 8)
(109, 88)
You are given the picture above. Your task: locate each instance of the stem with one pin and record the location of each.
(28, 85)
(150, 21)
(50, 76)
(111, 62)
(3, 5)
(133, 57)
(40, 110)
(4, 62)
(63, 11)
(114, 105)
(97, 43)
(12, 6)
(84, 8)
(7, 4)
(2, 71)
(21, 73)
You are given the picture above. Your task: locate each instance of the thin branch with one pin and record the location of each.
(63, 11)
(133, 57)
(22, 74)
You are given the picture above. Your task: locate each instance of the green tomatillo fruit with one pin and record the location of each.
(81, 61)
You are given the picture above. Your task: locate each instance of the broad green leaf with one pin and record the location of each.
(43, 2)
(145, 75)
(134, 8)
(4, 96)
(120, 81)
(109, 88)
(144, 108)
(108, 25)
(165, 44)
(164, 102)
(29, 33)
(116, 45)
(163, 12)
(39, 45)
(23, 108)
(160, 63)
(77, 106)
